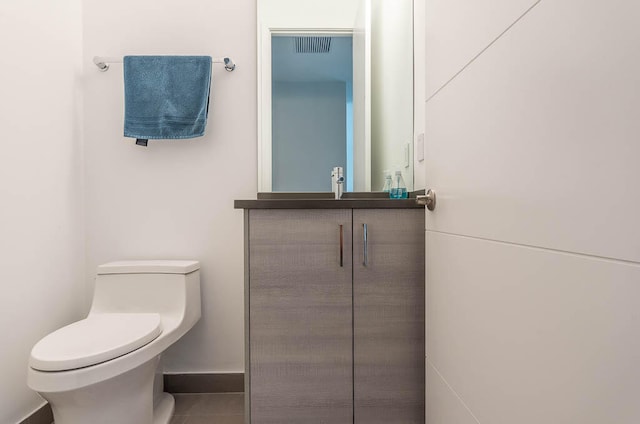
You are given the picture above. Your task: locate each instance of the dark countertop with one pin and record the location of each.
(326, 201)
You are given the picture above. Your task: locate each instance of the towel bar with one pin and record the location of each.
(103, 62)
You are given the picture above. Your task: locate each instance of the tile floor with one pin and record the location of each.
(209, 408)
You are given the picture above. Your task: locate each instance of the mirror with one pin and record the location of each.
(335, 84)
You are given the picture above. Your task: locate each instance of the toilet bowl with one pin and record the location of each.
(105, 369)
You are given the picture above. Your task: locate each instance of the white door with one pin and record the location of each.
(533, 250)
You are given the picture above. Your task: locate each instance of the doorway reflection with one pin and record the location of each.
(312, 111)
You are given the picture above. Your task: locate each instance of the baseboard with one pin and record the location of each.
(41, 416)
(204, 383)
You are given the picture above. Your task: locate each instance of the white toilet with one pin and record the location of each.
(102, 369)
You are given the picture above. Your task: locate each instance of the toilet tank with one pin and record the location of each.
(168, 287)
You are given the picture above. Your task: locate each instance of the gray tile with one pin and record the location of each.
(185, 403)
(219, 404)
(178, 419)
(215, 419)
(209, 404)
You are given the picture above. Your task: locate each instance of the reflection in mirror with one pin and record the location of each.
(335, 83)
(311, 104)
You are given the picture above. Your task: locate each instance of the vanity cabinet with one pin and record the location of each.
(334, 316)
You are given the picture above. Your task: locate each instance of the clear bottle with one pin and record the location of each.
(398, 188)
(388, 182)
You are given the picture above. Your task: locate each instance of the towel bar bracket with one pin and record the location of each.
(103, 67)
(229, 65)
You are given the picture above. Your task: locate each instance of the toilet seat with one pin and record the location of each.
(96, 339)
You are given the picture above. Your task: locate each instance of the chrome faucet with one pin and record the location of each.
(337, 180)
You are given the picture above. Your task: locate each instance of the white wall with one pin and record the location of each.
(300, 14)
(533, 263)
(40, 185)
(174, 199)
(309, 134)
(392, 90)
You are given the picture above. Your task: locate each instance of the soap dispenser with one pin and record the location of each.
(388, 182)
(398, 188)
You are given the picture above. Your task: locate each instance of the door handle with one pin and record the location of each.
(428, 200)
(365, 241)
(341, 246)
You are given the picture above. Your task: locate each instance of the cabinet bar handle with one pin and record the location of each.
(366, 245)
(341, 245)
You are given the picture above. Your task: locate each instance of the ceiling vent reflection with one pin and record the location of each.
(312, 44)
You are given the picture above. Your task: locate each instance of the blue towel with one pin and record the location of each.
(166, 97)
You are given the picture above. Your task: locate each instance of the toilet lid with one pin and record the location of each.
(98, 338)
